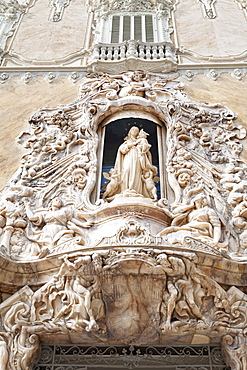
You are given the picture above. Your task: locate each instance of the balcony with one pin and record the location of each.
(133, 55)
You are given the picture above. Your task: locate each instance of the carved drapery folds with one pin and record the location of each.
(133, 296)
(126, 274)
(49, 205)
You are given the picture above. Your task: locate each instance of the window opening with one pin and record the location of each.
(128, 27)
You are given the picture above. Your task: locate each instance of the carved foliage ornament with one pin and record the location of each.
(130, 5)
(170, 294)
(48, 205)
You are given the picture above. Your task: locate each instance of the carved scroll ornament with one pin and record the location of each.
(47, 206)
(165, 291)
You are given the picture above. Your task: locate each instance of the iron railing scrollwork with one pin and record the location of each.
(177, 357)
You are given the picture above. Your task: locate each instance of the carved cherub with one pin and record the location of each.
(149, 181)
(142, 144)
(113, 183)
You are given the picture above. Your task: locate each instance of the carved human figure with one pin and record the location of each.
(197, 218)
(112, 185)
(179, 286)
(60, 224)
(133, 84)
(69, 296)
(132, 162)
(82, 289)
(149, 182)
(11, 217)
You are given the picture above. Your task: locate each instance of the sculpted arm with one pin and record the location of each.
(32, 217)
(215, 222)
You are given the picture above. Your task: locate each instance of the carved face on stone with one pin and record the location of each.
(184, 179)
(143, 134)
(200, 201)
(56, 203)
(133, 132)
(162, 259)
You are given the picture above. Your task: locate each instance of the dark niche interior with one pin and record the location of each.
(116, 131)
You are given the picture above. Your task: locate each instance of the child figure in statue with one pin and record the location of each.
(132, 163)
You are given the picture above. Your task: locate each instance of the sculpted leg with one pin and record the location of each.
(173, 293)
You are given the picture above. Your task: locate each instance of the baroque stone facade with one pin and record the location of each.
(125, 222)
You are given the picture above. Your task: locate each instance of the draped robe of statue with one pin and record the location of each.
(132, 162)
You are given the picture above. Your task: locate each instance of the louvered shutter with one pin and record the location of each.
(115, 29)
(126, 27)
(149, 28)
(138, 28)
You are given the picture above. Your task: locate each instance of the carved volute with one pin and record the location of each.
(144, 258)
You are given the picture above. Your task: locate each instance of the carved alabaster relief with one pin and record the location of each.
(70, 303)
(234, 351)
(105, 8)
(133, 172)
(51, 205)
(130, 296)
(10, 13)
(58, 7)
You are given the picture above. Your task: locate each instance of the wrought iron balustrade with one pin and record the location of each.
(78, 357)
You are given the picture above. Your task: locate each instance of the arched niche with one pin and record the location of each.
(112, 132)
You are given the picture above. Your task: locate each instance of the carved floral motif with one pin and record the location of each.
(60, 166)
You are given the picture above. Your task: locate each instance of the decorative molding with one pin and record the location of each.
(20, 60)
(130, 5)
(10, 14)
(167, 293)
(208, 8)
(213, 73)
(58, 7)
(243, 5)
(234, 349)
(195, 57)
(75, 74)
(48, 208)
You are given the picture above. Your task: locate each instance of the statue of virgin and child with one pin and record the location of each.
(133, 173)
